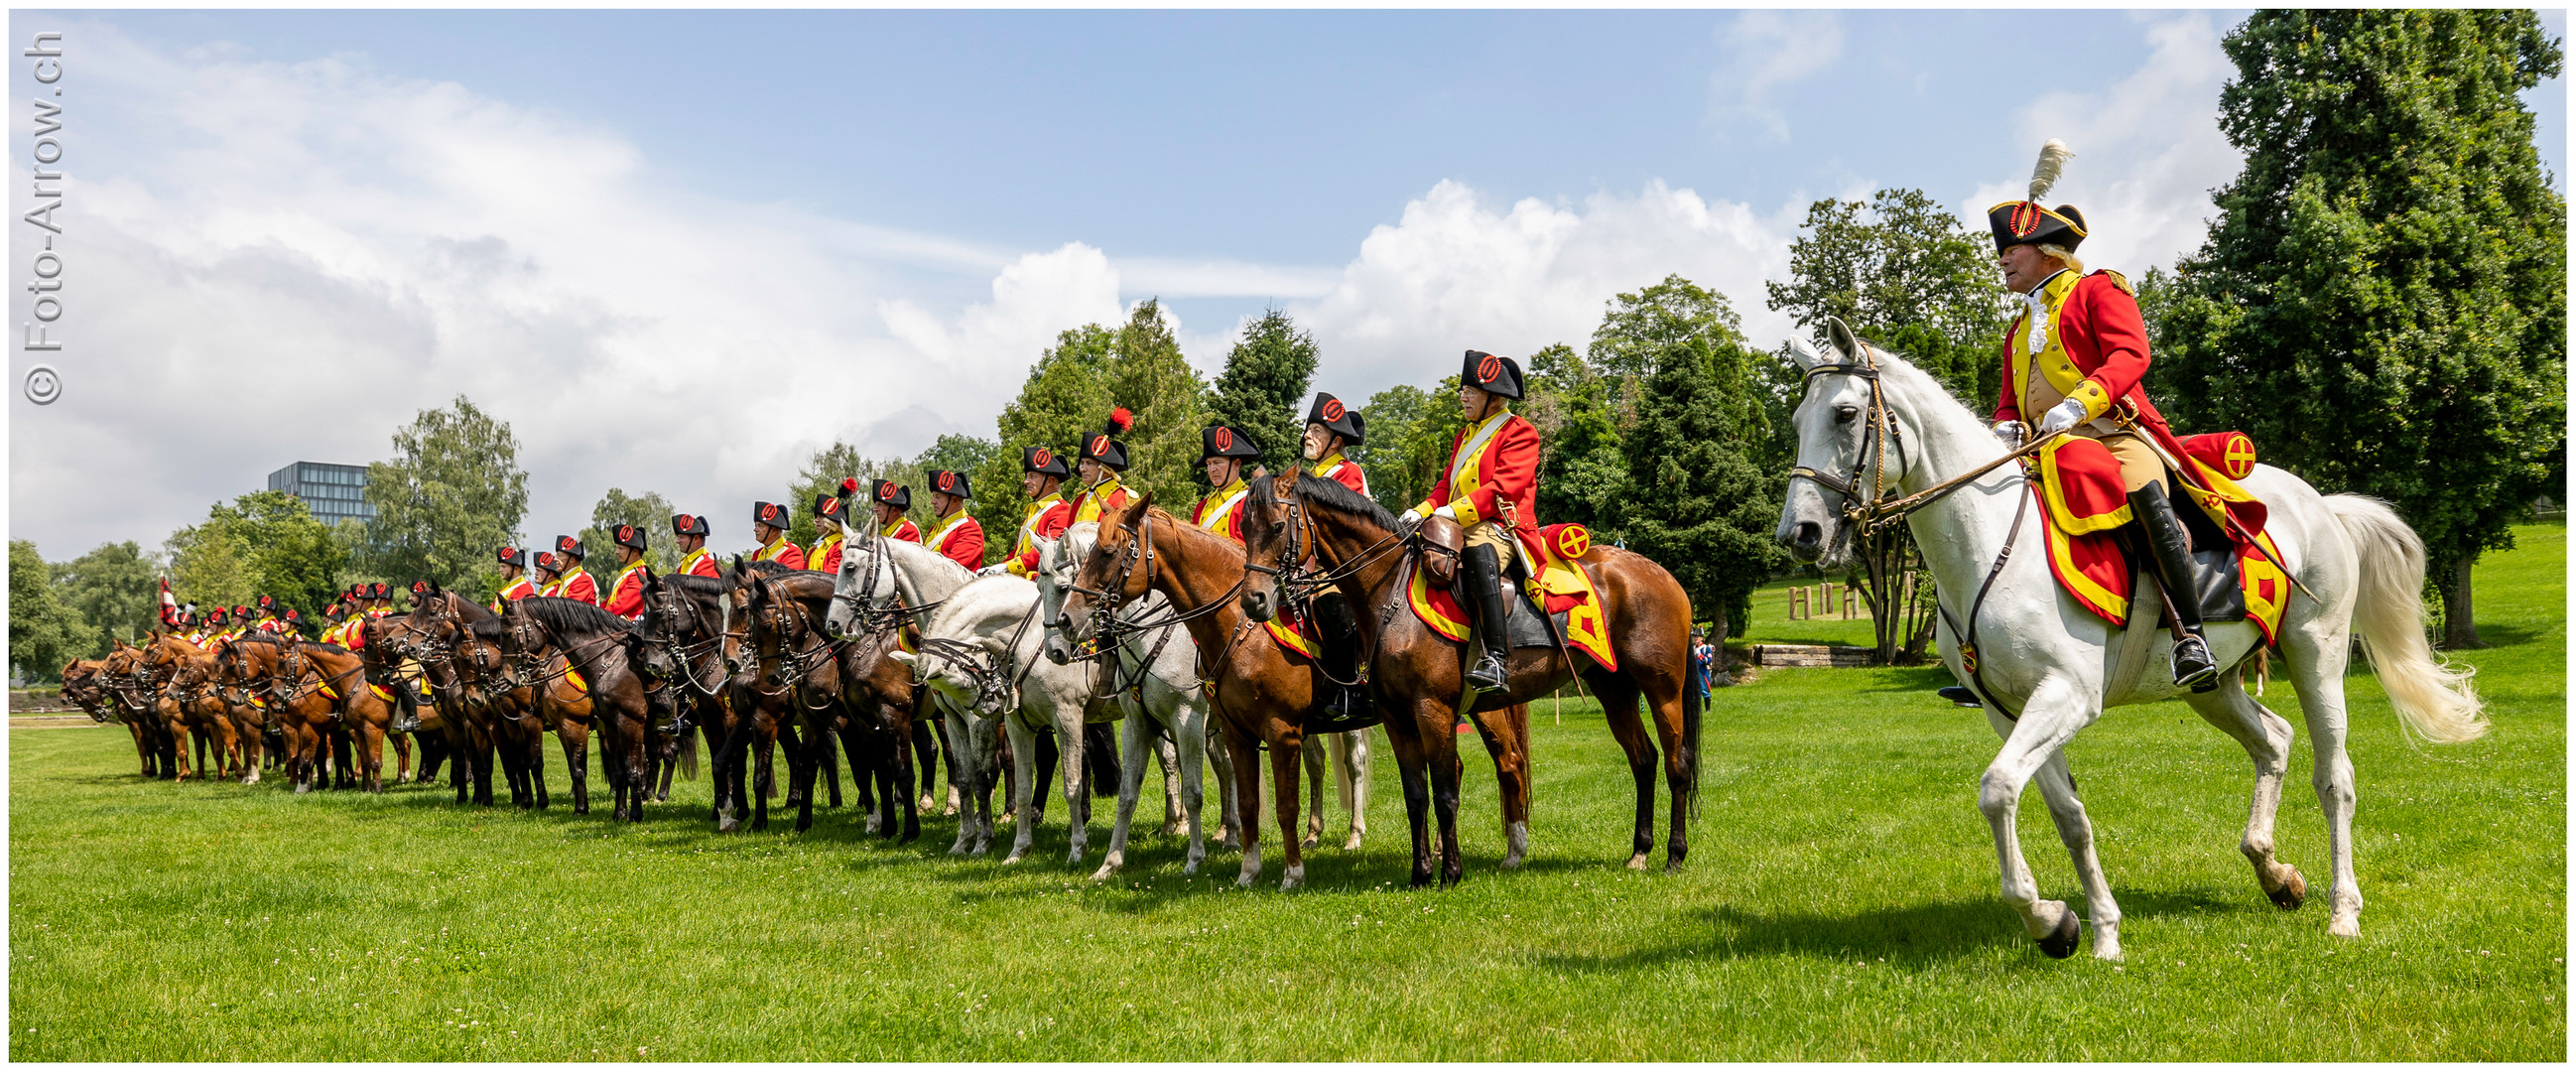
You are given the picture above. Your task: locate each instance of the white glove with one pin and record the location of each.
(2010, 432)
(1410, 516)
(998, 567)
(1450, 512)
(2063, 417)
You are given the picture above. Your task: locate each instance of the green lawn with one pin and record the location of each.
(1839, 903)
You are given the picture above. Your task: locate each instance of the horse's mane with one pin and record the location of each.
(1333, 495)
(692, 584)
(563, 616)
(485, 628)
(466, 609)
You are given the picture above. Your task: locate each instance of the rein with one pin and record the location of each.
(1874, 511)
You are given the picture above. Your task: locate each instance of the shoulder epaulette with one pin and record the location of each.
(2118, 280)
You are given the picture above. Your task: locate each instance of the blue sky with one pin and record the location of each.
(653, 212)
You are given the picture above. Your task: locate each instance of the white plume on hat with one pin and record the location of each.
(2052, 161)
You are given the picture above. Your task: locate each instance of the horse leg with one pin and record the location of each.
(2057, 788)
(899, 783)
(371, 755)
(1190, 730)
(961, 782)
(930, 750)
(1618, 697)
(1077, 787)
(2316, 671)
(1134, 740)
(764, 772)
(574, 735)
(732, 778)
(1222, 758)
(1411, 754)
(829, 764)
(1028, 787)
(2055, 711)
(2266, 737)
(1245, 753)
(1506, 734)
(1317, 761)
(1351, 766)
(1446, 773)
(1167, 757)
(1286, 753)
(818, 760)
(402, 757)
(532, 756)
(640, 747)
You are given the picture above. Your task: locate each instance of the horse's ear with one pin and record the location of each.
(1839, 336)
(1802, 356)
(1259, 474)
(904, 657)
(1143, 503)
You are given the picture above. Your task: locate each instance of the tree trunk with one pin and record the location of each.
(1719, 625)
(2459, 613)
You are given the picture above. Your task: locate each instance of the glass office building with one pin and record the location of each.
(331, 491)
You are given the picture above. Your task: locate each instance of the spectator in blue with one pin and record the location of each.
(1703, 663)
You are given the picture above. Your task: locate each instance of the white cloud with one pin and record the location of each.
(1766, 52)
(1454, 274)
(2148, 151)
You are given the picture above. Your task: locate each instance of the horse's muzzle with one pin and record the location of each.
(1256, 606)
(1804, 539)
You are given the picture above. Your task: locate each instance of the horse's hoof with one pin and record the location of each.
(2345, 926)
(1190, 866)
(1352, 844)
(2291, 893)
(1295, 877)
(1106, 870)
(1673, 866)
(1637, 862)
(2060, 943)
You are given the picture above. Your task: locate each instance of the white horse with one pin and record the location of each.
(874, 573)
(1157, 671)
(2060, 666)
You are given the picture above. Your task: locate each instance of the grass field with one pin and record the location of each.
(1839, 903)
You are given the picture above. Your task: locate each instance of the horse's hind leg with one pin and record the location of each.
(1167, 755)
(402, 758)
(1351, 770)
(1245, 753)
(1221, 757)
(1506, 734)
(1134, 738)
(2057, 788)
(575, 738)
(2266, 737)
(2316, 670)
(1618, 696)
(1317, 761)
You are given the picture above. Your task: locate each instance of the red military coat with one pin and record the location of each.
(961, 538)
(826, 554)
(1503, 467)
(700, 563)
(520, 587)
(1046, 518)
(1334, 467)
(902, 529)
(782, 552)
(578, 585)
(2105, 337)
(626, 593)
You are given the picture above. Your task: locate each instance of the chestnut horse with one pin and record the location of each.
(189, 712)
(129, 689)
(1264, 694)
(1417, 675)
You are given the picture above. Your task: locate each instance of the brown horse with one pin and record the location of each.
(1264, 694)
(683, 631)
(306, 717)
(476, 718)
(131, 693)
(551, 641)
(1417, 675)
(189, 710)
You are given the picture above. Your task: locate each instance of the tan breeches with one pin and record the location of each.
(2139, 465)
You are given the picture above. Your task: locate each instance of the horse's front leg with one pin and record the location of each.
(1134, 737)
(2057, 788)
(2056, 710)
(1245, 750)
(1351, 766)
(1411, 754)
(1024, 788)
(1286, 751)
(1222, 758)
(1189, 729)
(1318, 764)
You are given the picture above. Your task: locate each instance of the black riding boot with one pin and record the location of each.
(2170, 548)
(1482, 580)
(1341, 636)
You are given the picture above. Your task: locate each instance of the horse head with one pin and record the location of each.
(1109, 575)
(1278, 534)
(864, 588)
(1058, 559)
(1851, 445)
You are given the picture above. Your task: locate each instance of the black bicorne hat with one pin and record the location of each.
(1338, 419)
(566, 545)
(2027, 223)
(218, 614)
(1497, 375)
(889, 493)
(268, 603)
(1226, 441)
(546, 561)
(419, 590)
(832, 507)
(1098, 447)
(770, 514)
(240, 611)
(628, 536)
(688, 525)
(379, 591)
(514, 556)
(951, 482)
(1043, 462)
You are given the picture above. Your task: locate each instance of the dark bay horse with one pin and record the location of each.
(596, 647)
(130, 693)
(682, 657)
(1264, 694)
(1416, 674)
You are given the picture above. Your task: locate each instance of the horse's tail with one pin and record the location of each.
(689, 752)
(2434, 698)
(1690, 739)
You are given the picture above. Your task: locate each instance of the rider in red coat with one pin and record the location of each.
(1048, 515)
(1330, 428)
(626, 592)
(889, 502)
(689, 534)
(769, 526)
(830, 513)
(514, 584)
(1490, 488)
(577, 583)
(957, 534)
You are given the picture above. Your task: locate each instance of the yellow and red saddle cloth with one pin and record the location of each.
(2080, 490)
(1557, 581)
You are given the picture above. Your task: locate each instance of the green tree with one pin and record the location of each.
(1149, 376)
(1410, 432)
(1701, 508)
(649, 512)
(264, 543)
(116, 589)
(1263, 387)
(1065, 396)
(45, 633)
(210, 566)
(1582, 473)
(452, 494)
(2381, 302)
(1905, 272)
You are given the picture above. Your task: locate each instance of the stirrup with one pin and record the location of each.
(1488, 674)
(2192, 665)
(406, 724)
(1961, 695)
(1348, 703)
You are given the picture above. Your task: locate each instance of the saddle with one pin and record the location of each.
(1570, 617)
(2093, 559)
